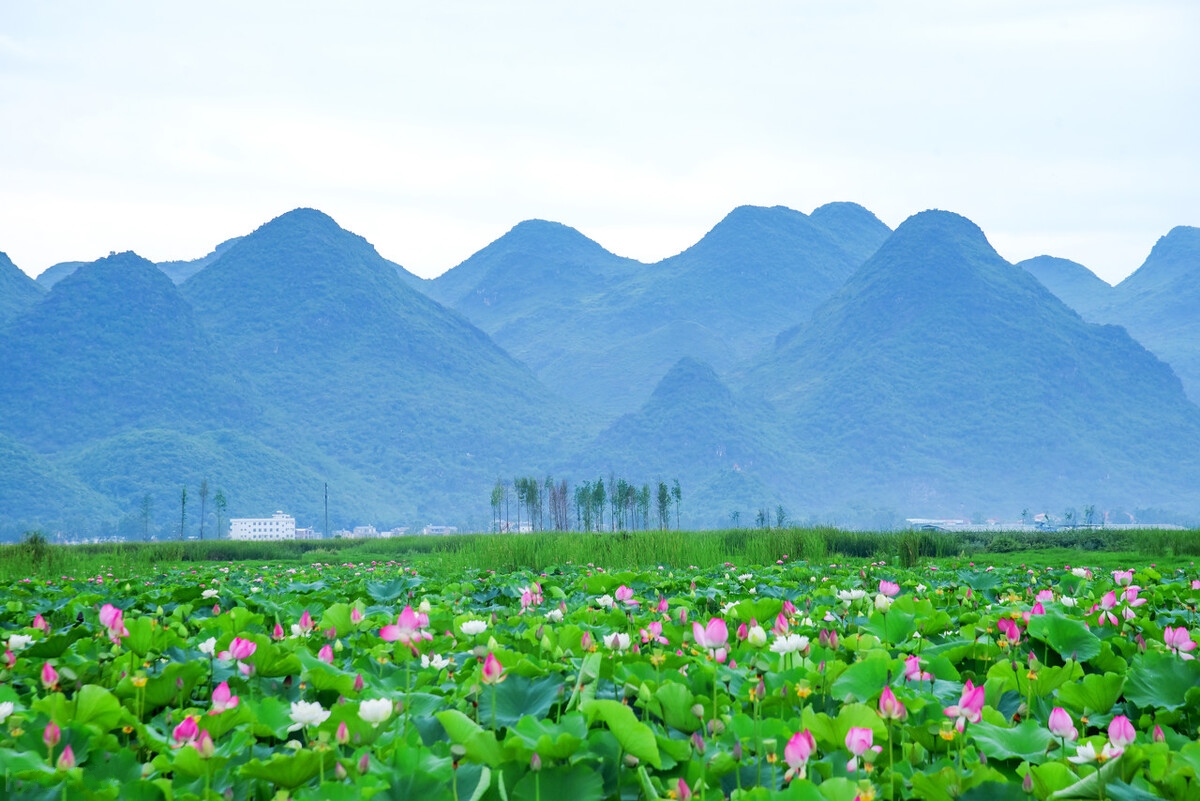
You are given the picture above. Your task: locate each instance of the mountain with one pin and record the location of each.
(1072, 283)
(18, 291)
(112, 348)
(1158, 304)
(38, 493)
(601, 330)
(57, 272)
(941, 380)
(180, 271)
(354, 363)
(694, 429)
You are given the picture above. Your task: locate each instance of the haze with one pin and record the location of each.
(1065, 128)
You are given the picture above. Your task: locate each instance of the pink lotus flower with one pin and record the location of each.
(1061, 725)
(493, 671)
(1009, 628)
(1130, 596)
(858, 742)
(325, 654)
(66, 760)
(653, 632)
(968, 708)
(625, 595)
(789, 608)
(1106, 605)
(712, 637)
(356, 616)
(684, 792)
(1123, 577)
(409, 628)
(1177, 639)
(781, 625)
(306, 621)
(278, 633)
(239, 649)
(1121, 732)
(222, 699)
(797, 752)
(662, 605)
(186, 731)
(49, 676)
(889, 588)
(890, 707)
(912, 670)
(39, 622)
(1196, 584)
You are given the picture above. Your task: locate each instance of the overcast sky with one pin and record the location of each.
(1068, 128)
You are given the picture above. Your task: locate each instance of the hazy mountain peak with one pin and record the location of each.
(1073, 284)
(17, 290)
(1173, 258)
(690, 377)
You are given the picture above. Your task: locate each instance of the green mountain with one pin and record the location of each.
(1158, 304)
(601, 330)
(113, 347)
(941, 380)
(1072, 283)
(180, 271)
(39, 494)
(693, 428)
(352, 362)
(18, 291)
(57, 272)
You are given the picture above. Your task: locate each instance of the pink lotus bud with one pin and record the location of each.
(535, 762)
(343, 733)
(356, 616)
(278, 634)
(662, 605)
(66, 760)
(331, 633)
(789, 608)
(216, 609)
(204, 744)
(798, 749)
(49, 675)
(1121, 732)
(358, 683)
(684, 792)
(698, 743)
(493, 671)
(1157, 735)
(585, 642)
(242, 649)
(1027, 782)
(222, 699)
(363, 764)
(39, 622)
(339, 772)
(325, 654)
(10, 659)
(51, 735)
(306, 621)
(1061, 725)
(743, 631)
(890, 707)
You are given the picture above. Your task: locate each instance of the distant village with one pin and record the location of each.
(280, 526)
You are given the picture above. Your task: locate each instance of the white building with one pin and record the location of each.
(276, 527)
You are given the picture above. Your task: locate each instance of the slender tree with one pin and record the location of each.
(598, 498)
(219, 505)
(664, 506)
(203, 503)
(497, 499)
(734, 517)
(147, 511)
(780, 516)
(182, 512)
(677, 496)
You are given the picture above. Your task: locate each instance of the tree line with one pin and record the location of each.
(549, 505)
(220, 504)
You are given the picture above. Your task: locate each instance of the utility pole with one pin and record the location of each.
(326, 510)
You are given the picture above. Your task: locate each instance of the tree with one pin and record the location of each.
(219, 505)
(734, 517)
(497, 499)
(780, 516)
(664, 505)
(147, 511)
(1024, 516)
(203, 503)
(1089, 514)
(677, 496)
(762, 519)
(643, 506)
(598, 498)
(182, 512)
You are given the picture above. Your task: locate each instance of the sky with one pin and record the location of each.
(1067, 128)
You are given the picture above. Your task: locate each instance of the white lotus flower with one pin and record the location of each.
(756, 636)
(1068, 600)
(473, 627)
(882, 602)
(789, 643)
(850, 596)
(618, 641)
(18, 642)
(729, 607)
(436, 661)
(209, 594)
(374, 711)
(554, 616)
(606, 601)
(305, 713)
(6, 709)
(209, 646)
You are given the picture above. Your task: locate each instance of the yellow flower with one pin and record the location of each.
(138, 681)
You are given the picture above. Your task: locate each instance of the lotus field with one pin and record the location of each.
(786, 681)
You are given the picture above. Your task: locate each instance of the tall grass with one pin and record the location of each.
(642, 549)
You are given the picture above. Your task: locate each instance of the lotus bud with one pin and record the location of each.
(698, 710)
(66, 760)
(339, 772)
(364, 763)
(356, 616)
(205, 746)
(358, 683)
(51, 735)
(1157, 735)
(535, 763)
(631, 761)
(1027, 782)
(277, 634)
(216, 609)
(737, 751)
(698, 743)
(343, 733)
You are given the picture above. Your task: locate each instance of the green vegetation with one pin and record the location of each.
(631, 549)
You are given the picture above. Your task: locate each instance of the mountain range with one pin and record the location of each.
(819, 363)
